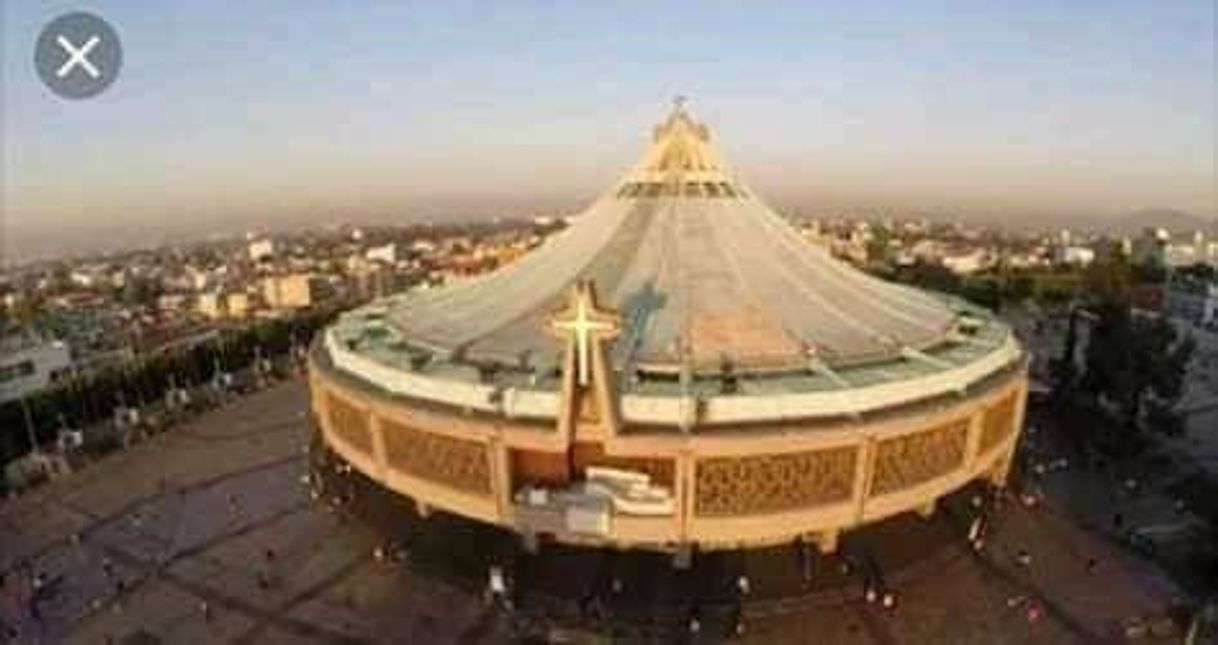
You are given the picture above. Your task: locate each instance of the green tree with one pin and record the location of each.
(1132, 360)
(877, 246)
(1064, 369)
(932, 276)
(1019, 288)
(1109, 280)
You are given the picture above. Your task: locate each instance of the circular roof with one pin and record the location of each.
(704, 275)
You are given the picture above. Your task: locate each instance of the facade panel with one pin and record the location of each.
(457, 463)
(919, 457)
(730, 486)
(349, 423)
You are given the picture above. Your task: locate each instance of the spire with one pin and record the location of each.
(680, 145)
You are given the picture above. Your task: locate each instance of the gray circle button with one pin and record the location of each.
(78, 55)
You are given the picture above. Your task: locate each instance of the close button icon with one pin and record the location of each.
(78, 55)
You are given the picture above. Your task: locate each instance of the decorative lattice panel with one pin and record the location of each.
(349, 423)
(998, 422)
(914, 458)
(456, 463)
(774, 483)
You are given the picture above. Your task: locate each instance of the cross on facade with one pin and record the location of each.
(584, 322)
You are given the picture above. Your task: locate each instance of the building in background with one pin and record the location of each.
(1192, 296)
(288, 292)
(1150, 247)
(29, 363)
(224, 303)
(261, 250)
(386, 254)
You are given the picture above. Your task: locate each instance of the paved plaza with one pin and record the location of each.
(208, 533)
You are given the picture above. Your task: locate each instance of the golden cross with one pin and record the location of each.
(585, 322)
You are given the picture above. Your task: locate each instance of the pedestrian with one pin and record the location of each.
(496, 585)
(807, 562)
(743, 586)
(1023, 558)
(585, 603)
(1033, 611)
(33, 608)
(976, 532)
(889, 600)
(205, 609)
(1092, 563)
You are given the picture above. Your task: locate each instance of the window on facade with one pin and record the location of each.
(14, 371)
(712, 189)
(693, 189)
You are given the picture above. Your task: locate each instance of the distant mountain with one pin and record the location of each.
(1172, 220)
(1175, 221)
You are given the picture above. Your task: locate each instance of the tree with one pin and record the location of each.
(1019, 288)
(140, 292)
(877, 246)
(1131, 360)
(1064, 369)
(984, 292)
(932, 276)
(1109, 280)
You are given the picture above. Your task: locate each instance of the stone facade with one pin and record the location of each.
(763, 484)
(998, 422)
(766, 486)
(918, 457)
(349, 423)
(456, 463)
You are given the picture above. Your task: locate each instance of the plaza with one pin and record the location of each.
(162, 513)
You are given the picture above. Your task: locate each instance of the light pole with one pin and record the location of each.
(29, 425)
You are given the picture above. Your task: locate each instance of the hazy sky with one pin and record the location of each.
(271, 112)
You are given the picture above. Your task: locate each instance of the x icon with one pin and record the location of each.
(77, 56)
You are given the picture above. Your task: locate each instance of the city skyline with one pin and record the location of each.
(277, 115)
